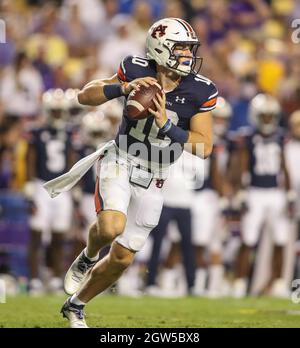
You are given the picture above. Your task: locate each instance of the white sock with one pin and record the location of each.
(75, 300)
(200, 280)
(93, 259)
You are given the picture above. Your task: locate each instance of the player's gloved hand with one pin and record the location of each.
(291, 203)
(160, 113)
(127, 87)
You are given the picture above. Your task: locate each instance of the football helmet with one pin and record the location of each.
(55, 107)
(96, 128)
(162, 38)
(264, 112)
(76, 109)
(222, 115)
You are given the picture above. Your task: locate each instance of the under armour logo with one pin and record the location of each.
(181, 100)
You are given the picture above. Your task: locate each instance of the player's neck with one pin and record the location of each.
(168, 79)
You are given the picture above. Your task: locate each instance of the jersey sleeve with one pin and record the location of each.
(209, 100)
(125, 73)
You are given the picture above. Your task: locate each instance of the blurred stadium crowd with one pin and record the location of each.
(53, 48)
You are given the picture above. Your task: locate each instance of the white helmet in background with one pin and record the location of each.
(161, 40)
(96, 128)
(56, 107)
(113, 109)
(264, 112)
(222, 115)
(76, 109)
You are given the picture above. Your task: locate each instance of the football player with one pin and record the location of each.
(207, 223)
(50, 154)
(292, 155)
(261, 155)
(96, 129)
(131, 172)
(178, 200)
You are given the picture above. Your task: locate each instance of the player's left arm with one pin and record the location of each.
(201, 132)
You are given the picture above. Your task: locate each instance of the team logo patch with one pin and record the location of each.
(160, 30)
(159, 183)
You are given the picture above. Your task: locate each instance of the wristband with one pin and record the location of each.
(177, 134)
(113, 91)
(166, 126)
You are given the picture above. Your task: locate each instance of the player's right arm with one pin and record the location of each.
(92, 93)
(95, 93)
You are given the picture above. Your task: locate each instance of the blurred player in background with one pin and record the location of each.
(50, 154)
(261, 155)
(208, 202)
(178, 199)
(95, 131)
(292, 155)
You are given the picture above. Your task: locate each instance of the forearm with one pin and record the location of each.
(200, 144)
(93, 92)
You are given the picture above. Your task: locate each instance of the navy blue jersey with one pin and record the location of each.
(194, 94)
(88, 182)
(265, 158)
(52, 148)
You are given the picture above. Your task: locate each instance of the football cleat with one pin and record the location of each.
(74, 314)
(77, 273)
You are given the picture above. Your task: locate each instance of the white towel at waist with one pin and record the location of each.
(66, 181)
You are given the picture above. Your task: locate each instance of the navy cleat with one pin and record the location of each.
(74, 314)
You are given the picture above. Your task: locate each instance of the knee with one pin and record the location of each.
(111, 227)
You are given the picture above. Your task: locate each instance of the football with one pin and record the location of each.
(139, 101)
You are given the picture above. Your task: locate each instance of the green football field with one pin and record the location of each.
(114, 311)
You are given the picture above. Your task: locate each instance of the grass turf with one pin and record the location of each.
(115, 311)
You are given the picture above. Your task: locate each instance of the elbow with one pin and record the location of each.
(203, 153)
(205, 150)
